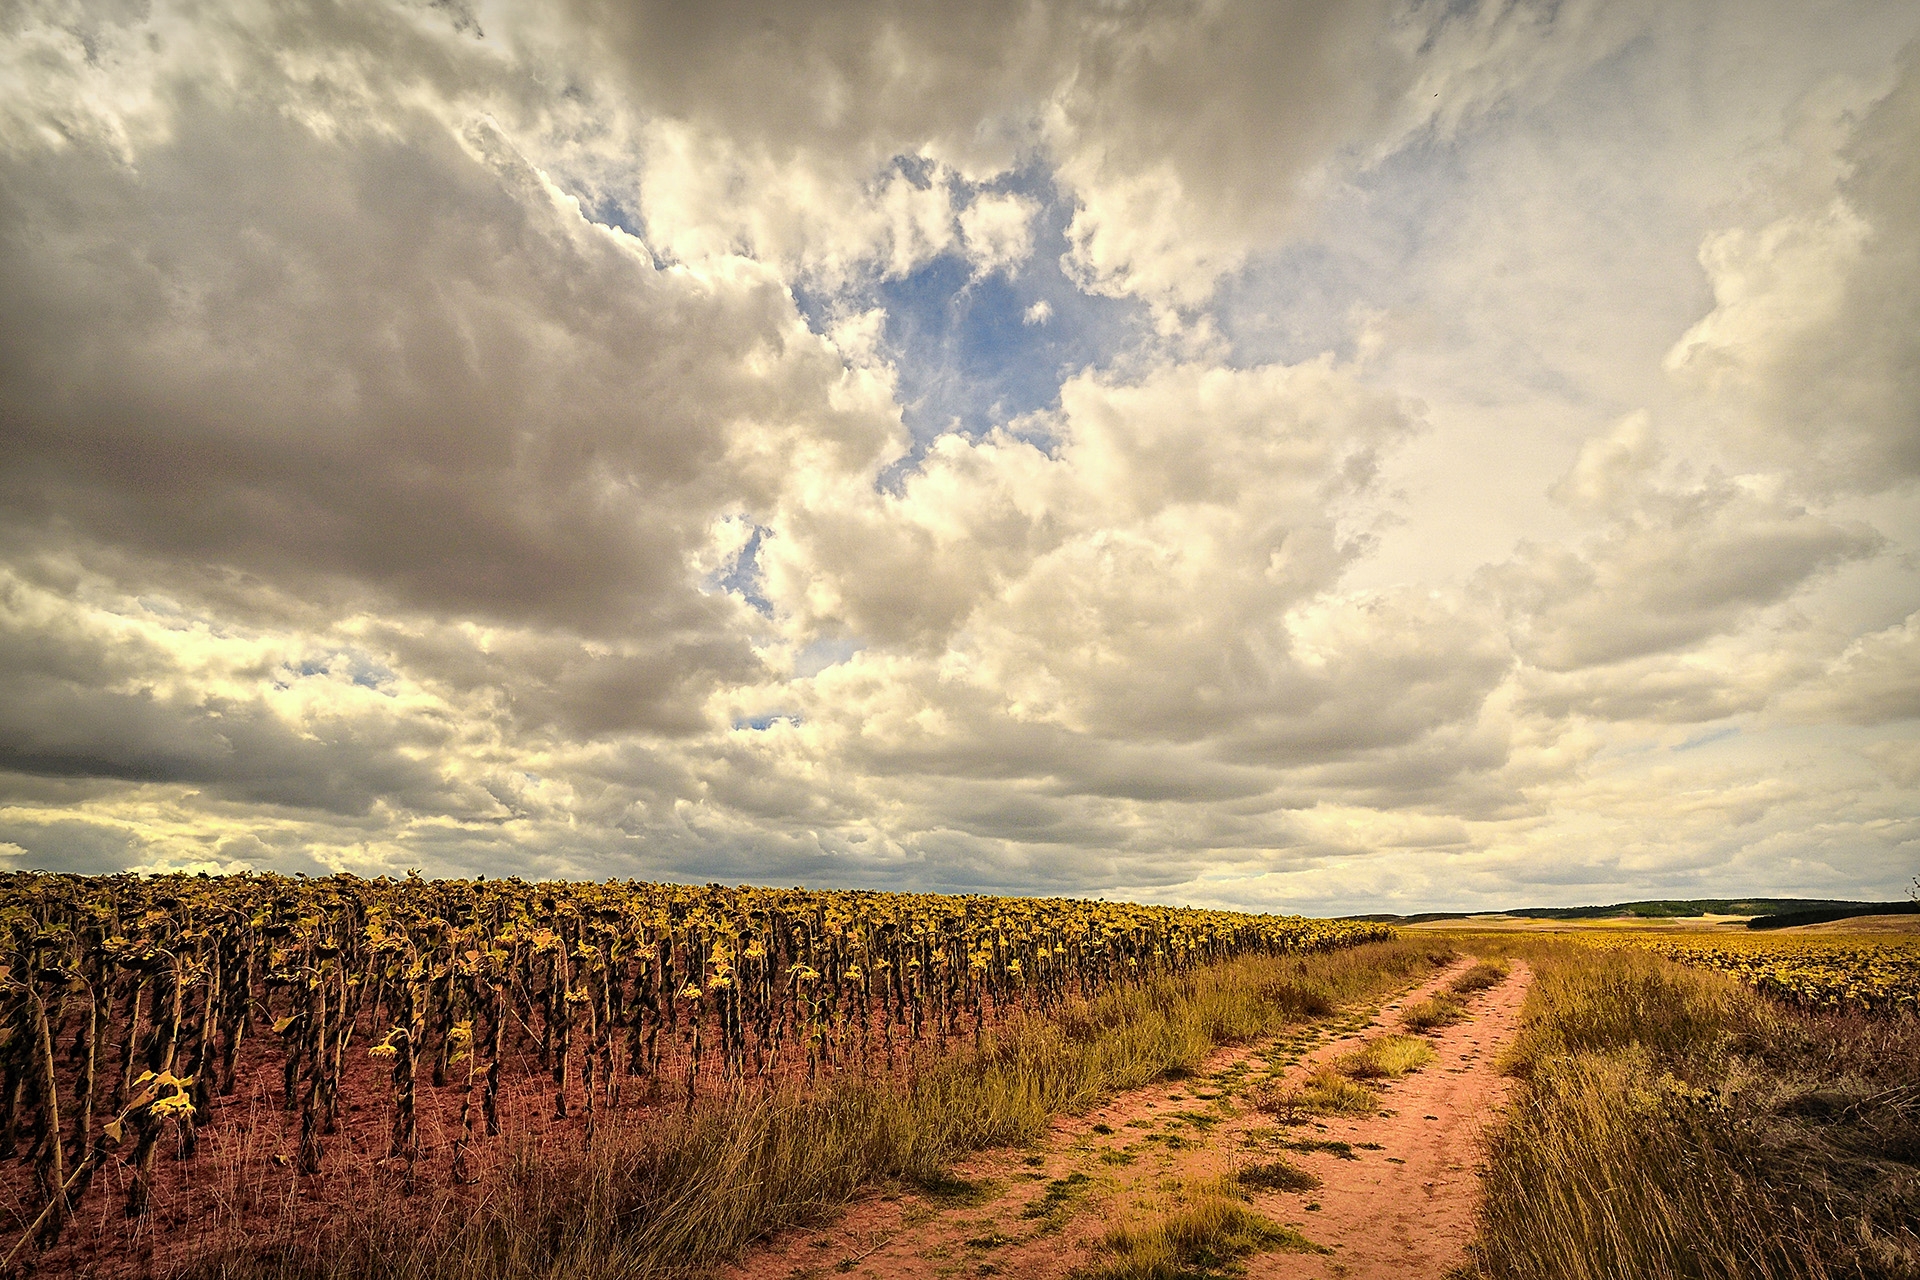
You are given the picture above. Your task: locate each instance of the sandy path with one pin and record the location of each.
(1406, 1209)
(1396, 1198)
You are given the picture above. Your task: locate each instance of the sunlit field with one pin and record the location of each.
(1725, 1106)
(259, 1076)
(1824, 971)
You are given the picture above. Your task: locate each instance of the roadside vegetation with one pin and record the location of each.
(666, 1197)
(1674, 1124)
(1347, 1085)
(1207, 1231)
(1444, 1008)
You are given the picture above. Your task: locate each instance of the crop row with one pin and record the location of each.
(1881, 975)
(125, 1001)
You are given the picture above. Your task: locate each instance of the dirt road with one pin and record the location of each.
(1395, 1194)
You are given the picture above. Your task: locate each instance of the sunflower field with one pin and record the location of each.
(128, 1003)
(1824, 971)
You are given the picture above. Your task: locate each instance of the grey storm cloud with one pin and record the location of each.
(381, 360)
(472, 437)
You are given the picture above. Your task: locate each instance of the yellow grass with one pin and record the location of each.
(1209, 1231)
(1387, 1058)
(1674, 1125)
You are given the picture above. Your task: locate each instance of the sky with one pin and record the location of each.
(1377, 455)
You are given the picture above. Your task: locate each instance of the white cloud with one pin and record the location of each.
(1813, 345)
(476, 442)
(998, 230)
(1678, 567)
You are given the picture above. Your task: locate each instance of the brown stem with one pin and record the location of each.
(52, 1171)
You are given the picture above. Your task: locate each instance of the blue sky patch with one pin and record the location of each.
(970, 351)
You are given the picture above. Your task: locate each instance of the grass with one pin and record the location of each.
(1386, 1058)
(1441, 1010)
(1060, 1198)
(1276, 1175)
(1325, 1092)
(1487, 973)
(1208, 1234)
(1672, 1125)
(1444, 1008)
(667, 1197)
(1337, 1089)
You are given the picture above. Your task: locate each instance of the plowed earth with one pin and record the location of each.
(1396, 1193)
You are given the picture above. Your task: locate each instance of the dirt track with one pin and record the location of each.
(1396, 1194)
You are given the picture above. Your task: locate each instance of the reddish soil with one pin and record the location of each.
(242, 1185)
(1397, 1191)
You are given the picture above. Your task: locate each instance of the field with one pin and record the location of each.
(197, 1045)
(1826, 970)
(258, 1077)
(1681, 1119)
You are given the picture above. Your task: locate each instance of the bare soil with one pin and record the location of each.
(242, 1184)
(1396, 1197)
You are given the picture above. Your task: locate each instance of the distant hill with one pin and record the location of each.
(1767, 912)
(1825, 915)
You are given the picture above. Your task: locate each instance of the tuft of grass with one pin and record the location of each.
(662, 1197)
(1386, 1058)
(1276, 1175)
(1487, 973)
(1441, 1010)
(1325, 1092)
(1060, 1197)
(1207, 1235)
(950, 1192)
(1444, 1008)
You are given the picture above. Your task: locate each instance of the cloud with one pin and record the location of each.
(824, 444)
(1677, 564)
(998, 230)
(1875, 681)
(1814, 339)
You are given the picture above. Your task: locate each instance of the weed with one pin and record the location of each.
(1276, 1175)
(1387, 1058)
(1207, 1235)
(1442, 1010)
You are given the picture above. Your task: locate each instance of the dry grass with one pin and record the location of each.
(1442, 1010)
(1325, 1092)
(1386, 1058)
(1336, 1089)
(670, 1197)
(1488, 973)
(1275, 1175)
(1209, 1231)
(1674, 1126)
